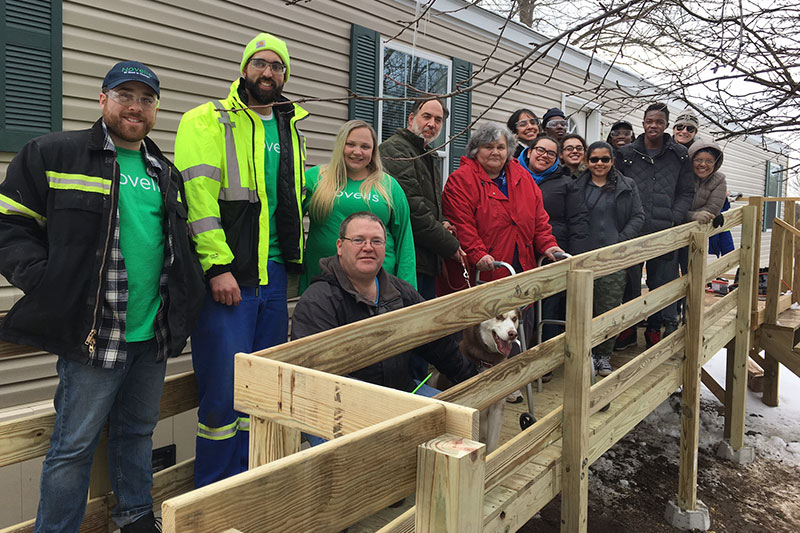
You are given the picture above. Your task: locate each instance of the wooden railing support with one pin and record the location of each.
(450, 478)
(690, 395)
(737, 385)
(758, 203)
(577, 381)
(788, 244)
(771, 311)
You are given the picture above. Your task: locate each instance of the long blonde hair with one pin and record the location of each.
(333, 176)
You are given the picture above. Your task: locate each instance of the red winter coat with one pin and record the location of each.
(489, 223)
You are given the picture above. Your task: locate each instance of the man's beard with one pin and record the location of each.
(126, 131)
(263, 96)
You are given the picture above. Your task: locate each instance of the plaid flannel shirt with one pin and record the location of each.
(110, 348)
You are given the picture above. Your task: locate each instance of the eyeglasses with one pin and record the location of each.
(569, 149)
(128, 99)
(604, 159)
(556, 123)
(361, 241)
(622, 133)
(703, 161)
(687, 127)
(542, 151)
(525, 123)
(275, 66)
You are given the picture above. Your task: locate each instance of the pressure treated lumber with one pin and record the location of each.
(690, 393)
(327, 405)
(742, 342)
(575, 425)
(755, 376)
(325, 488)
(450, 473)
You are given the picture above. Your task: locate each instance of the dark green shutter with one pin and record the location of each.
(772, 187)
(460, 110)
(364, 67)
(30, 70)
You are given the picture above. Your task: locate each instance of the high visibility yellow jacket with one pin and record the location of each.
(219, 150)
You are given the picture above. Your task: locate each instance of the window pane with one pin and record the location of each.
(409, 77)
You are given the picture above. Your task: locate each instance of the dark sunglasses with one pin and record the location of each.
(604, 159)
(687, 127)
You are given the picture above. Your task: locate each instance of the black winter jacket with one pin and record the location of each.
(563, 201)
(629, 216)
(331, 301)
(60, 263)
(665, 181)
(421, 180)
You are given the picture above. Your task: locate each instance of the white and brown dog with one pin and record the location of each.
(487, 344)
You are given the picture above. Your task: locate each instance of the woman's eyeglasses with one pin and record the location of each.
(542, 151)
(604, 159)
(525, 123)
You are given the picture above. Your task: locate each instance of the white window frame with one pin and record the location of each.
(593, 112)
(444, 153)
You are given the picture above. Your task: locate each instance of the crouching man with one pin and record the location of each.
(353, 286)
(93, 231)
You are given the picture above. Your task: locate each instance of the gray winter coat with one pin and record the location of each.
(710, 192)
(665, 181)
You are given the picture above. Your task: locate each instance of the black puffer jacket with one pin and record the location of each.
(665, 181)
(629, 216)
(331, 301)
(564, 203)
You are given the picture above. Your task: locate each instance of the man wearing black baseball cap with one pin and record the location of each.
(93, 231)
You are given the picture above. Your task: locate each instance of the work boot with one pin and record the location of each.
(146, 524)
(652, 337)
(602, 365)
(547, 378)
(626, 338)
(669, 328)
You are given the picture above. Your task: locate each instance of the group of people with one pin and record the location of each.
(122, 254)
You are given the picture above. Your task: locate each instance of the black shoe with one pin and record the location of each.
(652, 337)
(146, 524)
(624, 339)
(547, 378)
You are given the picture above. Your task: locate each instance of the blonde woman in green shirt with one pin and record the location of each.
(354, 181)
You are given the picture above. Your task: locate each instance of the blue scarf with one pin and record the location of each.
(538, 178)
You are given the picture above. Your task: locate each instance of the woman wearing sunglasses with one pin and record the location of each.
(615, 215)
(685, 128)
(525, 125)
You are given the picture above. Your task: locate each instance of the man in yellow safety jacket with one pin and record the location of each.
(242, 161)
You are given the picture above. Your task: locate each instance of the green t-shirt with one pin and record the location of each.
(400, 257)
(141, 236)
(272, 157)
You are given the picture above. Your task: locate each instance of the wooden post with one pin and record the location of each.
(788, 244)
(577, 381)
(270, 441)
(730, 362)
(771, 365)
(737, 384)
(796, 262)
(450, 478)
(758, 203)
(690, 396)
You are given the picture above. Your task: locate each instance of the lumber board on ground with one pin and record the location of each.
(327, 405)
(318, 488)
(450, 473)
(755, 376)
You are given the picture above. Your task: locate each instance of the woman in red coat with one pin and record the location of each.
(496, 209)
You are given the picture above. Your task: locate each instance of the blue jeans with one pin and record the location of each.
(261, 320)
(87, 397)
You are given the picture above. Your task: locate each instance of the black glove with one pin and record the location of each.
(718, 221)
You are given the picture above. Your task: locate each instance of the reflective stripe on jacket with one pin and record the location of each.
(220, 152)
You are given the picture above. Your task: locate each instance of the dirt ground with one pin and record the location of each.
(631, 483)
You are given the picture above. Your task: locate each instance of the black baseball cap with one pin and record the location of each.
(131, 71)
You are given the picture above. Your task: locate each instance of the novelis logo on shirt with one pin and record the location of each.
(147, 183)
(273, 148)
(358, 196)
